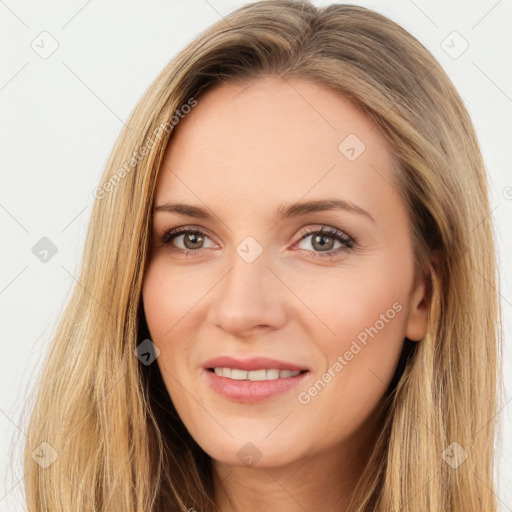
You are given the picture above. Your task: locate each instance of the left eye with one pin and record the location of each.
(325, 240)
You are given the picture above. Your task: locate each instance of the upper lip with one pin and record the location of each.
(253, 363)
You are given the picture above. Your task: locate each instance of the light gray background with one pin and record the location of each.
(61, 115)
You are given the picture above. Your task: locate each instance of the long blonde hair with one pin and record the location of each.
(119, 443)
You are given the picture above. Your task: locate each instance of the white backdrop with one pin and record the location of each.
(72, 72)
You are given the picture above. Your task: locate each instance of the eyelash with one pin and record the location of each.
(346, 240)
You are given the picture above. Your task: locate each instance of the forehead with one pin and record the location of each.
(274, 140)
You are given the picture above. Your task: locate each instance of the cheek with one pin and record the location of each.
(365, 313)
(347, 302)
(169, 297)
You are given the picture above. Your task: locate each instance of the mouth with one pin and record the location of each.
(260, 375)
(249, 387)
(255, 363)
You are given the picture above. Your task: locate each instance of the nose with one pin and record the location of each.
(250, 296)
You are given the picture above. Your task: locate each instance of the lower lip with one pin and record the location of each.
(249, 391)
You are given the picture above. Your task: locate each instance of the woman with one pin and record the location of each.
(287, 299)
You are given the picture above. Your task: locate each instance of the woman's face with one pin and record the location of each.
(251, 277)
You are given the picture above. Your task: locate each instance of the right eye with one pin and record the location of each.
(185, 240)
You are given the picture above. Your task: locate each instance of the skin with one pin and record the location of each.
(241, 153)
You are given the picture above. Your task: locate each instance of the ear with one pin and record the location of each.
(419, 304)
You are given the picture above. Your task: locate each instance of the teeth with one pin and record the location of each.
(236, 374)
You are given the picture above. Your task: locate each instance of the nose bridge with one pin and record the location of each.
(249, 294)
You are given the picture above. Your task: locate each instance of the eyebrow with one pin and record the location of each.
(282, 213)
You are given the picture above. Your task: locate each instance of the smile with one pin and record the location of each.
(254, 375)
(252, 386)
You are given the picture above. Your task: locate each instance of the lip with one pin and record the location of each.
(253, 363)
(247, 391)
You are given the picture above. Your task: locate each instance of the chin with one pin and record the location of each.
(253, 453)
